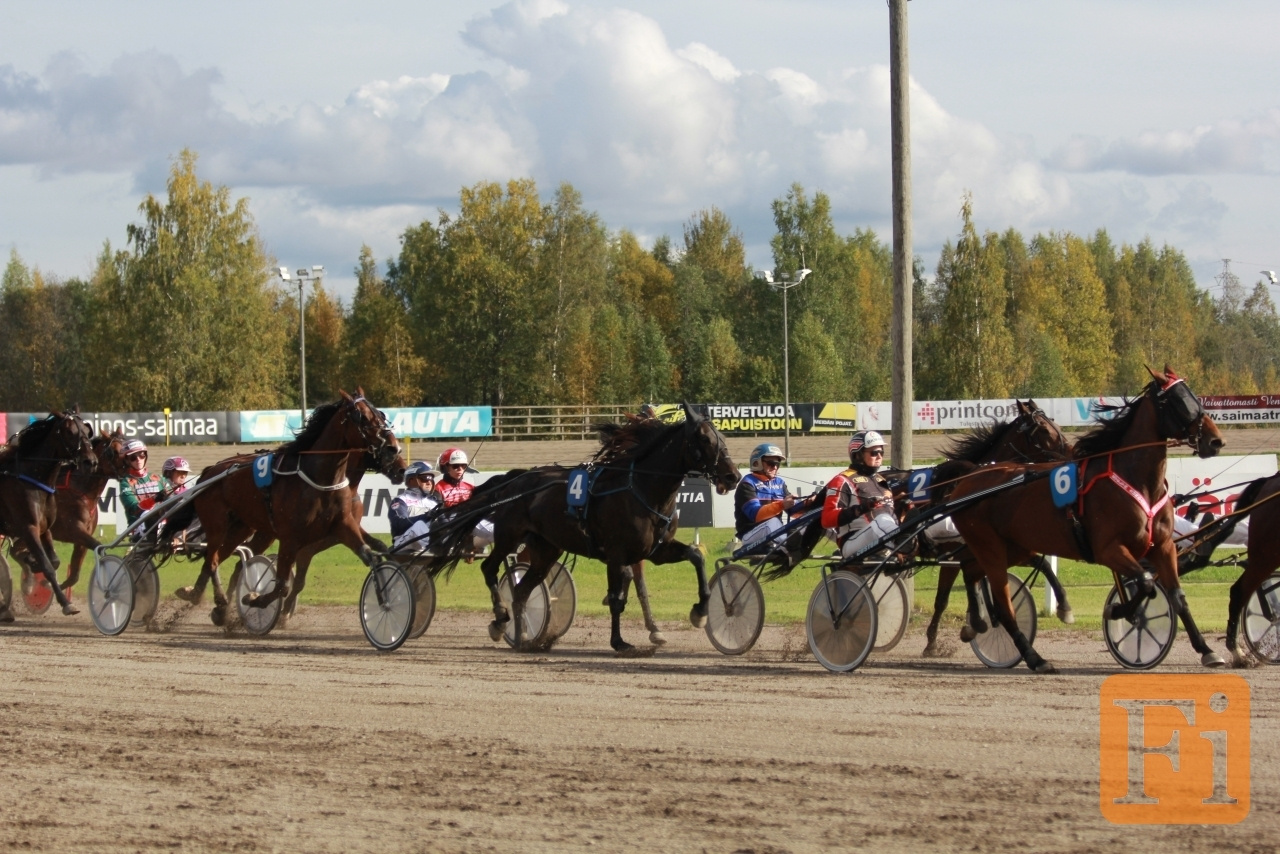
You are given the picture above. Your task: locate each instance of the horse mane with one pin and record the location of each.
(28, 438)
(631, 439)
(976, 445)
(307, 436)
(1109, 433)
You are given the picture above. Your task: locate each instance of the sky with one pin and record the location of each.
(346, 123)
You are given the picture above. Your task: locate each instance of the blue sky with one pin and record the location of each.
(344, 123)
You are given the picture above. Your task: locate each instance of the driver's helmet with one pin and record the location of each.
(647, 411)
(759, 452)
(176, 464)
(452, 457)
(864, 439)
(131, 447)
(421, 470)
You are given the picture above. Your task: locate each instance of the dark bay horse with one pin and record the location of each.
(77, 498)
(628, 516)
(307, 502)
(1031, 437)
(29, 468)
(1123, 507)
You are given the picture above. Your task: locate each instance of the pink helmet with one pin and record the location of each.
(452, 457)
(177, 464)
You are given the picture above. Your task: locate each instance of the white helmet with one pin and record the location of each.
(867, 439)
(765, 450)
(452, 457)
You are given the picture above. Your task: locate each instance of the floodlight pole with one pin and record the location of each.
(303, 275)
(785, 285)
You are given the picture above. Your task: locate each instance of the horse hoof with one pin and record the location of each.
(1213, 659)
(656, 638)
(1044, 667)
(698, 617)
(70, 610)
(621, 647)
(967, 633)
(495, 630)
(1066, 615)
(6, 616)
(219, 616)
(188, 594)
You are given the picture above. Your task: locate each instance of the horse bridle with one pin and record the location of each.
(379, 442)
(1036, 421)
(1179, 413)
(699, 455)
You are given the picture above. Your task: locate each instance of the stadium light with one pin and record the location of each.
(784, 285)
(303, 275)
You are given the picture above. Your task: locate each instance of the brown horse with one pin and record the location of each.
(29, 467)
(1123, 509)
(628, 513)
(1261, 501)
(1031, 437)
(77, 498)
(308, 501)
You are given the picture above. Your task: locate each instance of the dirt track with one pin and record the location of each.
(310, 740)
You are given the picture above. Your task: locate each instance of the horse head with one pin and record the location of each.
(1180, 415)
(375, 435)
(705, 451)
(109, 447)
(70, 441)
(1044, 440)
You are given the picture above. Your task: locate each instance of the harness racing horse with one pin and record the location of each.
(29, 467)
(77, 498)
(306, 502)
(1030, 437)
(627, 516)
(1122, 512)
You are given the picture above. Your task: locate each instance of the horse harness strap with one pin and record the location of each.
(36, 483)
(1141, 500)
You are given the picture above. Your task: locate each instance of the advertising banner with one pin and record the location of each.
(740, 418)
(422, 422)
(966, 414)
(1257, 409)
(178, 427)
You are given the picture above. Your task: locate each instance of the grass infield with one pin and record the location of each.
(336, 575)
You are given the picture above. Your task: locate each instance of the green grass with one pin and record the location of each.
(336, 575)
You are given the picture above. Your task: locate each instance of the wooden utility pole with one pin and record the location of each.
(900, 124)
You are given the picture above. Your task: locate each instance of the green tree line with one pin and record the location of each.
(518, 300)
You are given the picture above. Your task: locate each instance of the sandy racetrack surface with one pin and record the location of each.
(309, 740)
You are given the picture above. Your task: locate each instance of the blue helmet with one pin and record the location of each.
(765, 450)
(420, 469)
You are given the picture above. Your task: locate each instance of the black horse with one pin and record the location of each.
(627, 512)
(29, 467)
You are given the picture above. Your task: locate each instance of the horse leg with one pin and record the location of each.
(674, 551)
(34, 541)
(1063, 610)
(1166, 563)
(947, 572)
(6, 591)
(1245, 586)
(619, 580)
(219, 548)
(974, 624)
(532, 577)
(998, 579)
(489, 568)
(642, 593)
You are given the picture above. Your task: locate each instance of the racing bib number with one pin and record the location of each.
(577, 490)
(1062, 483)
(262, 471)
(920, 481)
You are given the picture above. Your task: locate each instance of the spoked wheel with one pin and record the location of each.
(1262, 620)
(893, 610)
(537, 608)
(564, 600)
(424, 597)
(146, 589)
(387, 606)
(257, 575)
(995, 647)
(841, 621)
(1142, 641)
(735, 611)
(110, 595)
(37, 595)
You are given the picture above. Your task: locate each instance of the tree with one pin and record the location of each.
(187, 317)
(41, 323)
(380, 353)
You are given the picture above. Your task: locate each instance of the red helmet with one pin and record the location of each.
(453, 456)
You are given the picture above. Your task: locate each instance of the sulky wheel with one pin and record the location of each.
(1142, 641)
(424, 597)
(893, 610)
(841, 621)
(994, 647)
(257, 575)
(146, 588)
(537, 608)
(110, 595)
(387, 606)
(1262, 620)
(564, 600)
(36, 592)
(735, 611)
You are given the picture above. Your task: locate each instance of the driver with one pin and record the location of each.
(453, 490)
(408, 528)
(762, 497)
(139, 490)
(859, 503)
